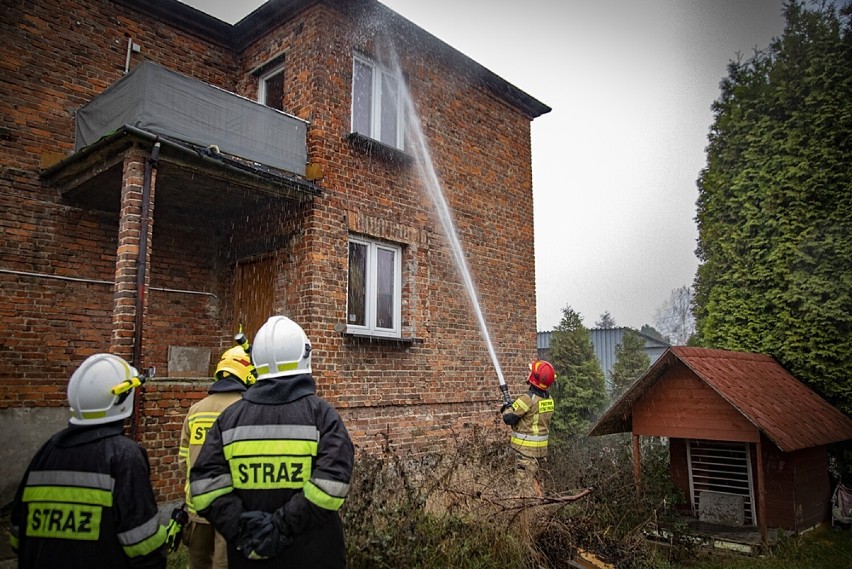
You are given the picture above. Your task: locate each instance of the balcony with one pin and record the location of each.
(167, 104)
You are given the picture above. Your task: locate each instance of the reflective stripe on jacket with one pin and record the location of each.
(201, 416)
(280, 447)
(86, 501)
(530, 431)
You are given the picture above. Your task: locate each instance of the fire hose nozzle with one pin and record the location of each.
(133, 382)
(507, 400)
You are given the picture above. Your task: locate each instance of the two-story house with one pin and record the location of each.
(166, 178)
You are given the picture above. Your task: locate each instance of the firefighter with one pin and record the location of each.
(206, 547)
(86, 499)
(529, 416)
(275, 467)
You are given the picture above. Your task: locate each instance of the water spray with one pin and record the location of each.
(433, 186)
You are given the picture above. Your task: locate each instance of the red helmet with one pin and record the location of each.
(542, 374)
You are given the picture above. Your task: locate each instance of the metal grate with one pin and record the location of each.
(721, 467)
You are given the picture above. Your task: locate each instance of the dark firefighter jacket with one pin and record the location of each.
(86, 501)
(281, 446)
(199, 419)
(529, 416)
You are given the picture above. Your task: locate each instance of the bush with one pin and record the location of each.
(428, 511)
(462, 508)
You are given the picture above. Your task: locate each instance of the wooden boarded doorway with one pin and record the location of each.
(254, 283)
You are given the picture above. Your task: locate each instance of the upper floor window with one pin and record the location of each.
(374, 306)
(270, 89)
(376, 103)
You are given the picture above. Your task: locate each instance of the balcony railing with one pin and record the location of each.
(166, 103)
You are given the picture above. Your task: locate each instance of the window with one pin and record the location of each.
(270, 89)
(375, 282)
(376, 103)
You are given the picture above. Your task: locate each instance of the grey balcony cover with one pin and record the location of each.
(164, 102)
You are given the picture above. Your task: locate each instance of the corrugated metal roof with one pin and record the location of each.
(604, 343)
(788, 412)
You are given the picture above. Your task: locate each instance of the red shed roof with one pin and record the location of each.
(779, 405)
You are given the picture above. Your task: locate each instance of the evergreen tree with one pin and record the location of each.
(775, 206)
(580, 392)
(606, 322)
(631, 362)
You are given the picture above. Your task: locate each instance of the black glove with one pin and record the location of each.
(273, 543)
(261, 535)
(255, 523)
(285, 534)
(255, 527)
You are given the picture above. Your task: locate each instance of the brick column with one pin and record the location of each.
(126, 266)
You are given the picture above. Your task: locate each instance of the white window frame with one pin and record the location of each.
(370, 298)
(263, 79)
(376, 107)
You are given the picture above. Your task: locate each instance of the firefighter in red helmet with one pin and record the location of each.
(529, 416)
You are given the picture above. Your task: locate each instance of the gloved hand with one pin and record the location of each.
(285, 534)
(254, 528)
(175, 528)
(255, 523)
(260, 535)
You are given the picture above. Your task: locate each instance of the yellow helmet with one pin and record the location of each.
(236, 362)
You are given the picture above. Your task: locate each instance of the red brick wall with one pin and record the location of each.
(414, 394)
(481, 151)
(165, 406)
(56, 57)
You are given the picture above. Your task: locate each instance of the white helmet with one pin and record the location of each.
(90, 390)
(281, 348)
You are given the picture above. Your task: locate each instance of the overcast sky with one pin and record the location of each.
(615, 162)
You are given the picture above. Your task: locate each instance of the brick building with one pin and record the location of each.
(166, 177)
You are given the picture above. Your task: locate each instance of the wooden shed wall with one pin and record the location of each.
(798, 493)
(683, 406)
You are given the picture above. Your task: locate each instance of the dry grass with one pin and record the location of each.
(467, 500)
(462, 509)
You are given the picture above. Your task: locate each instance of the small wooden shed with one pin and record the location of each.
(747, 440)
